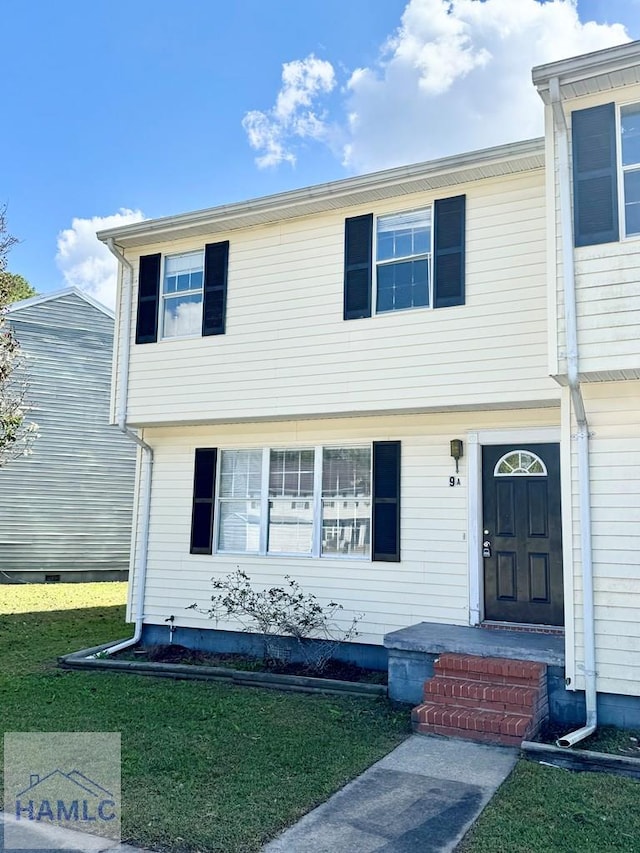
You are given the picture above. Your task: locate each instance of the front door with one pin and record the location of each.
(522, 534)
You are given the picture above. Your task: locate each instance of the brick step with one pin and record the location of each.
(491, 669)
(482, 737)
(478, 694)
(473, 723)
(497, 700)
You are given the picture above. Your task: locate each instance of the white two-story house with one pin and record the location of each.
(417, 392)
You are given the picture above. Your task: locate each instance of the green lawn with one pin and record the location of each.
(214, 767)
(543, 809)
(205, 766)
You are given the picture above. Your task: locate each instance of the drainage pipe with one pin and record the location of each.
(142, 542)
(582, 433)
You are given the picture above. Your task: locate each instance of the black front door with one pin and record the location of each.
(522, 534)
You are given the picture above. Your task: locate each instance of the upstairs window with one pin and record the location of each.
(403, 260)
(182, 293)
(630, 161)
(606, 173)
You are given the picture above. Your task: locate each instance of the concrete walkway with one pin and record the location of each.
(39, 838)
(423, 797)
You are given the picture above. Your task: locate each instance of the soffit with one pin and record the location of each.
(600, 71)
(367, 189)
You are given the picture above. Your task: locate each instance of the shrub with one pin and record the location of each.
(281, 611)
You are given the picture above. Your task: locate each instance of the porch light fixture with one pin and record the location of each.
(456, 450)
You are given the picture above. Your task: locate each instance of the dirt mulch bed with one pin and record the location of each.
(334, 669)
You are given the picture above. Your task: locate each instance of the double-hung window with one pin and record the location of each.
(291, 486)
(409, 259)
(346, 501)
(403, 260)
(239, 501)
(182, 294)
(630, 163)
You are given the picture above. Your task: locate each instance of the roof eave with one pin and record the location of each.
(521, 156)
(41, 298)
(587, 65)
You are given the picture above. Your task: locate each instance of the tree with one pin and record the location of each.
(15, 286)
(16, 435)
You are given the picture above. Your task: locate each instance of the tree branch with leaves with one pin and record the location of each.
(16, 434)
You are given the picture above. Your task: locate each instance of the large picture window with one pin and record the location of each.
(304, 501)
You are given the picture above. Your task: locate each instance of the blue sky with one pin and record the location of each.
(151, 106)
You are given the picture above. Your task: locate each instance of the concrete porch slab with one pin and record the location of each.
(434, 638)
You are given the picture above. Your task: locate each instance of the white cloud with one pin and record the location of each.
(456, 76)
(295, 114)
(85, 262)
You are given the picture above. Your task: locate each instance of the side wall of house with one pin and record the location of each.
(67, 507)
(287, 351)
(613, 409)
(431, 582)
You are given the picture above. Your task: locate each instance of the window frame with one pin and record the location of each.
(316, 501)
(621, 171)
(430, 208)
(163, 297)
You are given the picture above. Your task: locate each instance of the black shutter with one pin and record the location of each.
(148, 297)
(595, 181)
(204, 493)
(386, 501)
(216, 263)
(358, 238)
(448, 251)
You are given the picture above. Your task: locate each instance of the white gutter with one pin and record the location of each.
(582, 434)
(140, 570)
(507, 159)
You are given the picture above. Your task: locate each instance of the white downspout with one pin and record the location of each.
(582, 435)
(147, 450)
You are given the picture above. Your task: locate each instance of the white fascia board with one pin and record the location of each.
(475, 165)
(585, 66)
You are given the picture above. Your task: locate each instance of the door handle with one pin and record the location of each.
(486, 547)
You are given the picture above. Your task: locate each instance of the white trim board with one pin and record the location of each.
(475, 441)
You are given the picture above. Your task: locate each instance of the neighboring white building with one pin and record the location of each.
(65, 510)
(300, 364)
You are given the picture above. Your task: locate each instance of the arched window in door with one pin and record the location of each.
(520, 463)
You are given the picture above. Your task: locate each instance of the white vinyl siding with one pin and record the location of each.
(607, 289)
(287, 351)
(431, 581)
(613, 409)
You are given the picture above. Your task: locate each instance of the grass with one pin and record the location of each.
(206, 766)
(543, 809)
